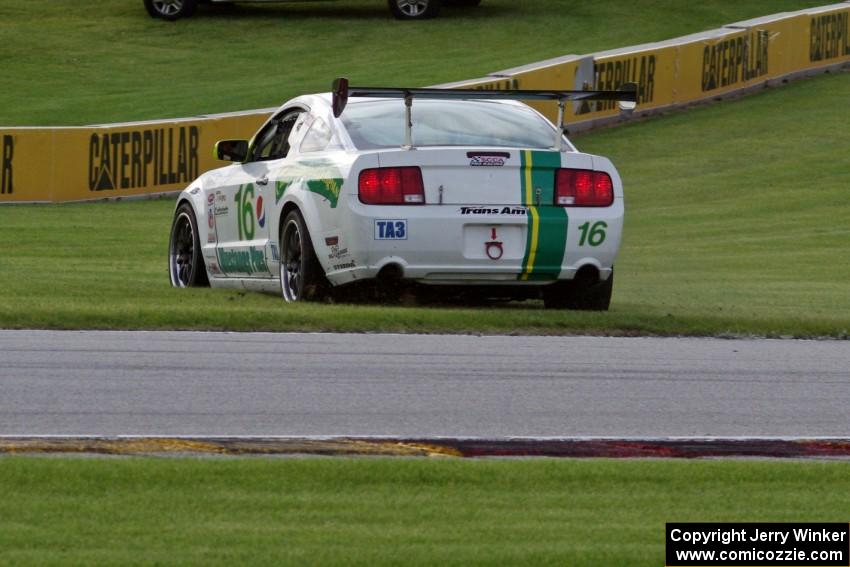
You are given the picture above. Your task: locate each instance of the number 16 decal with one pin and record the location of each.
(593, 235)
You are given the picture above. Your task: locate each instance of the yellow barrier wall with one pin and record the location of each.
(696, 67)
(722, 61)
(72, 164)
(826, 35)
(121, 160)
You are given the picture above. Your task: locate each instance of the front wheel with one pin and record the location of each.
(414, 9)
(185, 261)
(301, 276)
(170, 9)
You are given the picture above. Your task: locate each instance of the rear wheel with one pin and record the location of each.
(414, 9)
(185, 261)
(585, 293)
(301, 276)
(170, 9)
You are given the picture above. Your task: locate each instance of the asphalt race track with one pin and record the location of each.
(263, 384)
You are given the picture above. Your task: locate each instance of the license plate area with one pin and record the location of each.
(494, 242)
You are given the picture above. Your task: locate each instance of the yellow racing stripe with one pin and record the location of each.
(528, 182)
(535, 218)
(532, 249)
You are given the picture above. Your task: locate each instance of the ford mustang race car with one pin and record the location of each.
(401, 9)
(465, 189)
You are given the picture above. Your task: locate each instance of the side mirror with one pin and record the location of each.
(231, 150)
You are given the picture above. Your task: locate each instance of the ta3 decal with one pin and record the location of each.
(391, 229)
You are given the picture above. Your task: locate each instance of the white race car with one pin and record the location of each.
(401, 9)
(463, 190)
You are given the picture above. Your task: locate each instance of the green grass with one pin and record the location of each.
(736, 224)
(381, 512)
(736, 213)
(67, 62)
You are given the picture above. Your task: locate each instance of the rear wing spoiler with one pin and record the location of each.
(342, 91)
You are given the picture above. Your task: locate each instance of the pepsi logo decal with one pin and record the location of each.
(261, 213)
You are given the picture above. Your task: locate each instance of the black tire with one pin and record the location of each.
(580, 294)
(463, 2)
(414, 9)
(170, 9)
(185, 259)
(301, 275)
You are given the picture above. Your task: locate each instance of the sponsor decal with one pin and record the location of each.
(243, 260)
(210, 197)
(509, 211)
(143, 158)
(829, 36)
(488, 159)
(327, 188)
(261, 213)
(8, 152)
(275, 252)
(546, 237)
(345, 266)
(194, 190)
(214, 268)
(221, 208)
(211, 218)
(337, 252)
(280, 188)
(735, 60)
(391, 229)
(321, 177)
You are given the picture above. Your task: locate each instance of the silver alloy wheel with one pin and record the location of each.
(181, 254)
(291, 271)
(412, 8)
(168, 7)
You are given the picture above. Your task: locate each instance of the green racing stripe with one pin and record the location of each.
(547, 224)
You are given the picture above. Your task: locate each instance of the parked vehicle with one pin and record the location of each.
(401, 9)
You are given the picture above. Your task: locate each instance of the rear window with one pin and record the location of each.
(380, 124)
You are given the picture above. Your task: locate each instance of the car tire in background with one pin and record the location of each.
(414, 9)
(170, 9)
(185, 258)
(301, 275)
(581, 294)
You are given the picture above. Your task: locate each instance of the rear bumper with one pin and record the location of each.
(474, 244)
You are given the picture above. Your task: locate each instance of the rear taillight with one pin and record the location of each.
(583, 188)
(392, 186)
